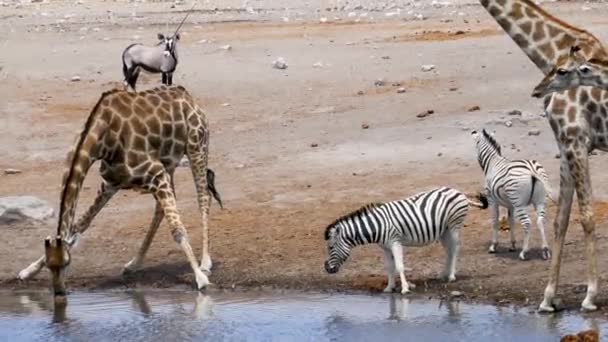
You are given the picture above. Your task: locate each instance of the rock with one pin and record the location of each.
(396, 84)
(439, 154)
(317, 65)
(75, 79)
(380, 82)
(11, 171)
(279, 63)
(474, 109)
(386, 57)
(456, 294)
(427, 67)
(425, 113)
(534, 131)
(314, 145)
(364, 125)
(557, 156)
(453, 89)
(24, 208)
(508, 123)
(227, 47)
(240, 166)
(515, 112)
(225, 104)
(360, 92)
(401, 90)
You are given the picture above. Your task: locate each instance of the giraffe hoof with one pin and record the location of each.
(206, 264)
(405, 291)
(543, 308)
(131, 267)
(388, 289)
(588, 305)
(201, 280)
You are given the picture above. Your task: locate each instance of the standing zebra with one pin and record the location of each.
(435, 215)
(514, 184)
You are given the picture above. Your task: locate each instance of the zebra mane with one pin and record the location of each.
(492, 141)
(357, 213)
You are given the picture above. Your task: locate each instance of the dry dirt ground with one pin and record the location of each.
(279, 191)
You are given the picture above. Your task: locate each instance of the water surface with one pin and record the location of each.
(171, 315)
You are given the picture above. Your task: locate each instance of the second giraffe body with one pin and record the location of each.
(514, 184)
(139, 139)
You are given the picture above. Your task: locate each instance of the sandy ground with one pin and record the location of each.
(280, 192)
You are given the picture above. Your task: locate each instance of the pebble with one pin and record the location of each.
(279, 63)
(401, 90)
(474, 109)
(425, 113)
(75, 79)
(227, 47)
(508, 123)
(317, 65)
(456, 294)
(365, 125)
(427, 67)
(534, 131)
(360, 92)
(380, 82)
(314, 145)
(11, 171)
(515, 112)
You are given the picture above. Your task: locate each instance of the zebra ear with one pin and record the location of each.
(160, 36)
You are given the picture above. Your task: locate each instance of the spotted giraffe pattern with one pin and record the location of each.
(574, 116)
(139, 138)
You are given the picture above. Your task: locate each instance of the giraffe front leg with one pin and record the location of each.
(104, 194)
(560, 225)
(389, 265)
(582, 184)
(137, 261)
(494, 243)
(165, 196)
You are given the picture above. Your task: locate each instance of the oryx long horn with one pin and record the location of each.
(183, 20)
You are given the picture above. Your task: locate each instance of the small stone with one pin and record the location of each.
(427, 67)
(386, 57)
(439, 154)
(515, 112)
(557, 156)
(75, 79)
(227, 47)
(314, 145)
(401, 90)
(396, 84)
(317, 65)
(279, 63)
(534, 131)
(24, 208)
(456, 294)
(453, 89)
(11, 171)
(240, 166)
(364, 125)
(360, 92)
(459, 32)
(380, 82)
(508, 123)
(474, 109)
(225, 104)
(425, 113)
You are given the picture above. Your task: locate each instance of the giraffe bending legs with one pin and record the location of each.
(137, 261)
(104, 194)
(562, 217)
(165, 196)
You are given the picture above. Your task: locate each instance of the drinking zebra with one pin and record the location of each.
(426, 217)
(514, 184)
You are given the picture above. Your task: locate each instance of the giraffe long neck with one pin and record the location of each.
(80, 161)
(544, 38)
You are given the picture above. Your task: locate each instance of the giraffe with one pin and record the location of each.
(546, 40)
(574, 72)
(139, 139)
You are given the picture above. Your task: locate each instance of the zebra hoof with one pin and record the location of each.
(522, 256)
(405, 291)
(546, 253)
(492, 249)
(388, 290)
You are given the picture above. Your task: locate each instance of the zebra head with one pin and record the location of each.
(487, 147)
(337, 248)
(168, 43)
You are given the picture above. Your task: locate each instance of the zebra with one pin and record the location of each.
(514, 184)
(434, 215)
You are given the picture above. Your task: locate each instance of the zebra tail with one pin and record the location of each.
(483, 201)
(211, 187)
(541, 175)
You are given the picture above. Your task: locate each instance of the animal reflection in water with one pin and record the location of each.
(38, 302)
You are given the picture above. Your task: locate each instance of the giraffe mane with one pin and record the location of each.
(492, 141)
(361, 211)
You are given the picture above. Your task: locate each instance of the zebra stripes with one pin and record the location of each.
(514, 184)
(434, 215)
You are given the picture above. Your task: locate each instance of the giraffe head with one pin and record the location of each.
(57, 259)
(571, 71)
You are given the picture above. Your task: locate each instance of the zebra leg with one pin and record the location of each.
(494, 243)
(449, 240)
(524, 218)
(540, 223)
(397, 250)
(511, 219)
(389, 265)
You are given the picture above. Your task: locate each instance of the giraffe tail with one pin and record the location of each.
(482, 198)
(211, 187)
